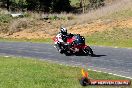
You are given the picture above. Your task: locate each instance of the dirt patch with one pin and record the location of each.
(99, 26)
(39, 29)
(47, 29)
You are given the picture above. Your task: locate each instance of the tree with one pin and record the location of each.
(8, 5)
(96, 3)
(60, 5)
(45, 5)
(33, 5)
(17, 5)
(4, 4)
(81, 3)
(37, 5)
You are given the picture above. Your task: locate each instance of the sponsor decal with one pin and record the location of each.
(85, 81)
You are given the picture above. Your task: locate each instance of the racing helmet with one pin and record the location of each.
(63, 31)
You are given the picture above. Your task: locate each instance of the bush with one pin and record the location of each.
(5, 18)
(96, 3)
(18, 25)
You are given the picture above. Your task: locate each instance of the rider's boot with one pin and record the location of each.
(58, 48)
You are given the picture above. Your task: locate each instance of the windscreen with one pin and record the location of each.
(79, 39)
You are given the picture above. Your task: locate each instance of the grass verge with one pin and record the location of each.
(116, 37)
(31, 73)
(47, 40)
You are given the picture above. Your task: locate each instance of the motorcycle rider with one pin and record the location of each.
(61, 39)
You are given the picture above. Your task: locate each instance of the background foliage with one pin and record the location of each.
(47, 5)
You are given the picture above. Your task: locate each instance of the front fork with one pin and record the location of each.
(57, 46)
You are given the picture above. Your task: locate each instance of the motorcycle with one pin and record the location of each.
(75, 45)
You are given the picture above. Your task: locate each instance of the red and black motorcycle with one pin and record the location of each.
(75, 45)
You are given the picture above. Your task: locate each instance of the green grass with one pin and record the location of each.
(74, 2)
(31, 73)
(116, 37)
(5, 18)
(47, 40)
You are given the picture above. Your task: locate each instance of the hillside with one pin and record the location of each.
(117, 15)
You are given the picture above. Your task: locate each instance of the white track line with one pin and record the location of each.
(77, 65)
(111, 74)
(116, 47)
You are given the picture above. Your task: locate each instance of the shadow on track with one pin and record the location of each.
(95, 55)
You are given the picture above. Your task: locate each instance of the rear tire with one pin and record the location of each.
(88, 51)
(91, 51)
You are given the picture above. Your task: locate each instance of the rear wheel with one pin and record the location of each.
(88, 51)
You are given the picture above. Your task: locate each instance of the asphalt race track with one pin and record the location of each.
(112, 60)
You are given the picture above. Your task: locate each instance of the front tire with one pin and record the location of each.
(67, 53)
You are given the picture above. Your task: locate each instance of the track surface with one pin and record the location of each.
(113, 60)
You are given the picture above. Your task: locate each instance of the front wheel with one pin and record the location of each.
(88, 51)
(67, 53)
